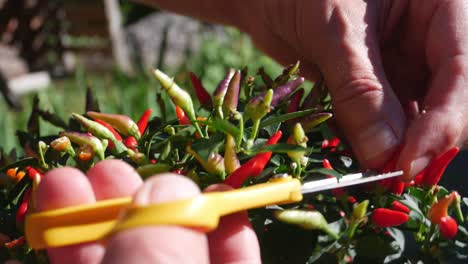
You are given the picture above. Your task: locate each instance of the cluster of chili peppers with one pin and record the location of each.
(438, 214)
(240, 156)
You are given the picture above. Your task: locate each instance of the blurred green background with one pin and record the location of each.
(118, 93)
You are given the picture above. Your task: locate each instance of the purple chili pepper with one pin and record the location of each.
(283, 91)
(220, 92)
(313, 97)
(232, 95)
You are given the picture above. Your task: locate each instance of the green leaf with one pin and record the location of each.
(281, 148)
(326, 172)
(151, 169)
(205, 146)
(412, 201)
(53, 119)
(374, 247)
(91, 102)
(21, 164)
(281, 118)
(225, 127)
(33, 122)
(417, 193)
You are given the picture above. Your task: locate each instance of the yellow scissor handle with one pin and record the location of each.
(86, 223)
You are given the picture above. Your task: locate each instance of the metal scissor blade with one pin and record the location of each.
(346, 180)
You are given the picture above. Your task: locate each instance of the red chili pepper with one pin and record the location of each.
(254, 166)
(394, 185)
(32, 172)
(15, 243)
(418, 178)
(131, 142)
(436, 168)
(23, 208)
(396, 205)
(384, 217)
(111, 129)
(203, 96)
(143, 121)
(448, 227)
(183, 119)
(179, 171)
(332, 144)
(351, 199)
(398, 186)
(21, 213)
(338, 192)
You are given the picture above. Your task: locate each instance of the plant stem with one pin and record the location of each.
(198, 129)
(255, 127)
(241, 134)
(219, 112)
(352, 230)
(428, 237)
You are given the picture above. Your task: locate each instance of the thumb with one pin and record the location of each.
(365, 106)
(160, 244)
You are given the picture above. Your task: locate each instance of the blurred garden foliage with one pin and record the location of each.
(118, 93)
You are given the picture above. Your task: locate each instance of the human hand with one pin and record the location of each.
(397, 70)
(233, 242)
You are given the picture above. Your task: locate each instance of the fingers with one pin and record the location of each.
(444, 120)
(61, 188)
(113, 178)
(160, 244)
(234, 241)
(365, 106)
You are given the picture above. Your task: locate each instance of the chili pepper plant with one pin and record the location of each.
(244, 133)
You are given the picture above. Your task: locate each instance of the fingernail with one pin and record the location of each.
(377, 139)
(165, 188)
(418, 165)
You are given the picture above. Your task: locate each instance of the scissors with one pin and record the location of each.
(95, 222)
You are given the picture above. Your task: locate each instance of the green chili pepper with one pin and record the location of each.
(299, 138)
(178, 95)
(124, 124)
(146, 171)
(256, 109)
(359, 211)
(312, 220)
(94, 128)
(358, 215)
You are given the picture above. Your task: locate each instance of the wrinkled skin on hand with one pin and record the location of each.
(396, 69)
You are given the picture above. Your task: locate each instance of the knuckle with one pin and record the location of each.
(451, 130)
(364, 88)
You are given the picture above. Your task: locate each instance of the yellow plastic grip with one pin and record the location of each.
(79, 224)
